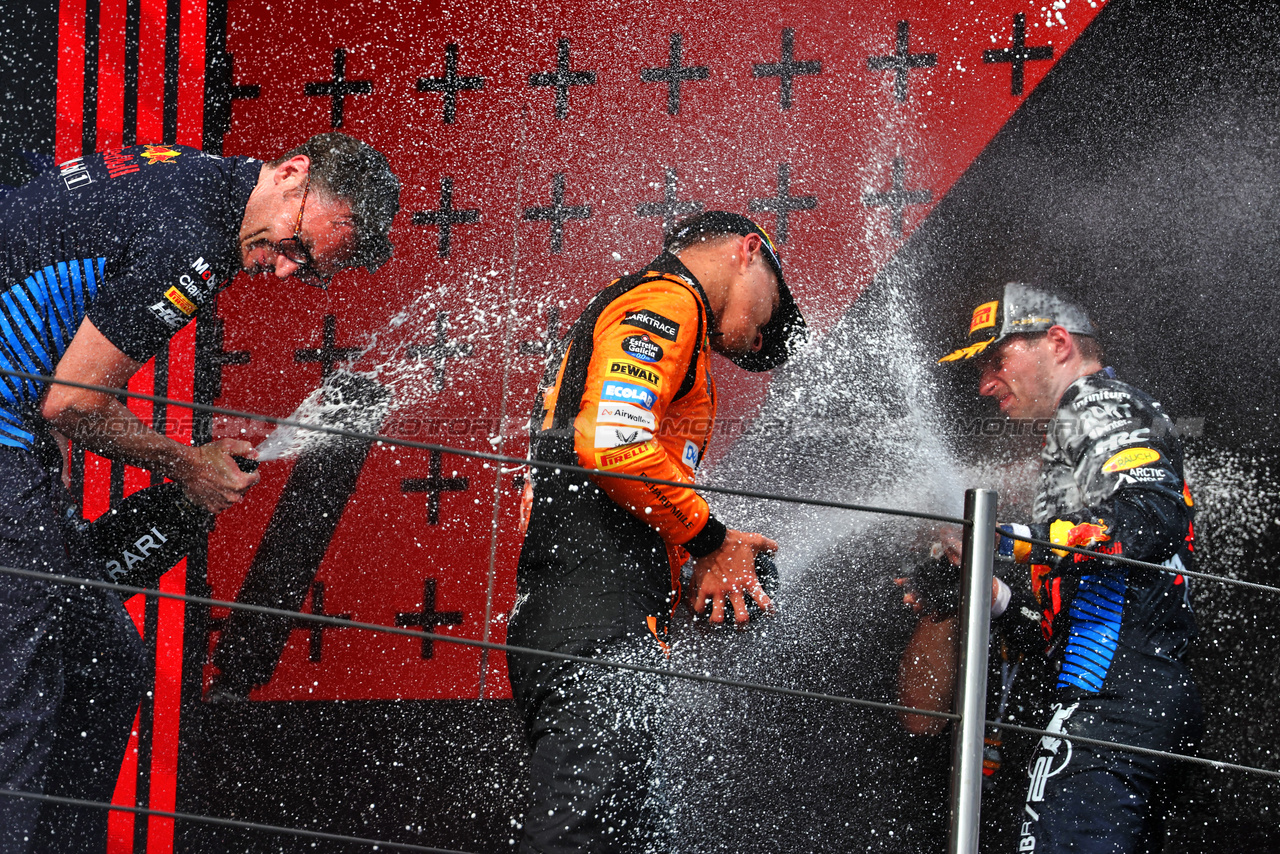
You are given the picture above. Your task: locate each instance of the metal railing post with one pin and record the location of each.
(971, 676)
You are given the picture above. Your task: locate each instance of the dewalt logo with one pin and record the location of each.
(623, 369)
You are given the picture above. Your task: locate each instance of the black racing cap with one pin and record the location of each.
(1019, 309)
(786, 330)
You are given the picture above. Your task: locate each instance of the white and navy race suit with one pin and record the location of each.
(1111, 480)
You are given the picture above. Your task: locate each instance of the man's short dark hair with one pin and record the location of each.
(1090, 348)
(701, 228)
(345, 169)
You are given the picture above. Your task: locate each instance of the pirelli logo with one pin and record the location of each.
(180, 301)
(623, 369)
(619, 457)
(984, 316)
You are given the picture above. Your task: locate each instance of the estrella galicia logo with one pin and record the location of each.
(628, 393)
(651, 321)
(642, 347)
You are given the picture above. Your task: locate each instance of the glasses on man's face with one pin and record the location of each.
(296, 251)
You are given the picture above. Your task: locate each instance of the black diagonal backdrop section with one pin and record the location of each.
(28, 71)
(1139, 178)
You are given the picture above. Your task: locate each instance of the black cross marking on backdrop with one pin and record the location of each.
(440, 351)
(902, 61)
(673, 74)
(670, 208)
(450, 84)
(897, 198)
(327, 354)
(210, 336)
(558, 213)
(543, 345)
(315, 649)
(783, 204)
(338, 88)
(239, 93)
(562, 78)
(1019, 54)
(434, 484)
(787, 69)
(447, 217)
(428, 618)
(218, 623)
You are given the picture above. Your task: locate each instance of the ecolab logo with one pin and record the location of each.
(628, 393)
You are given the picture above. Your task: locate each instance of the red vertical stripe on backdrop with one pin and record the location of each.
(142, 382)
(168, 701)
(151, 71)
(120, 824)
(69, 131)
(170, 620)
(191, 37)
(182, 381)
(97, 485)
(111, 14)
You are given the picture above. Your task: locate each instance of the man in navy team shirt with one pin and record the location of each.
(100, 264)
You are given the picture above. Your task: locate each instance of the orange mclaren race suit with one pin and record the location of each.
(629, 391)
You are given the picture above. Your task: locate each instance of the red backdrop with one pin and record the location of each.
(839, 138)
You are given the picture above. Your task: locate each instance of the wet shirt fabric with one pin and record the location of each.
(629, 393)
(1111, 480)
(137, 240)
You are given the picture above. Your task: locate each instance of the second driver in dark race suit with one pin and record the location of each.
(1111, 480)
(630, 390)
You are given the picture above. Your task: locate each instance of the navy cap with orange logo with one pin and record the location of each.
(786, 330)
(1020, 309)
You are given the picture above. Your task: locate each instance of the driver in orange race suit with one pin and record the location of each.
(630, 391)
